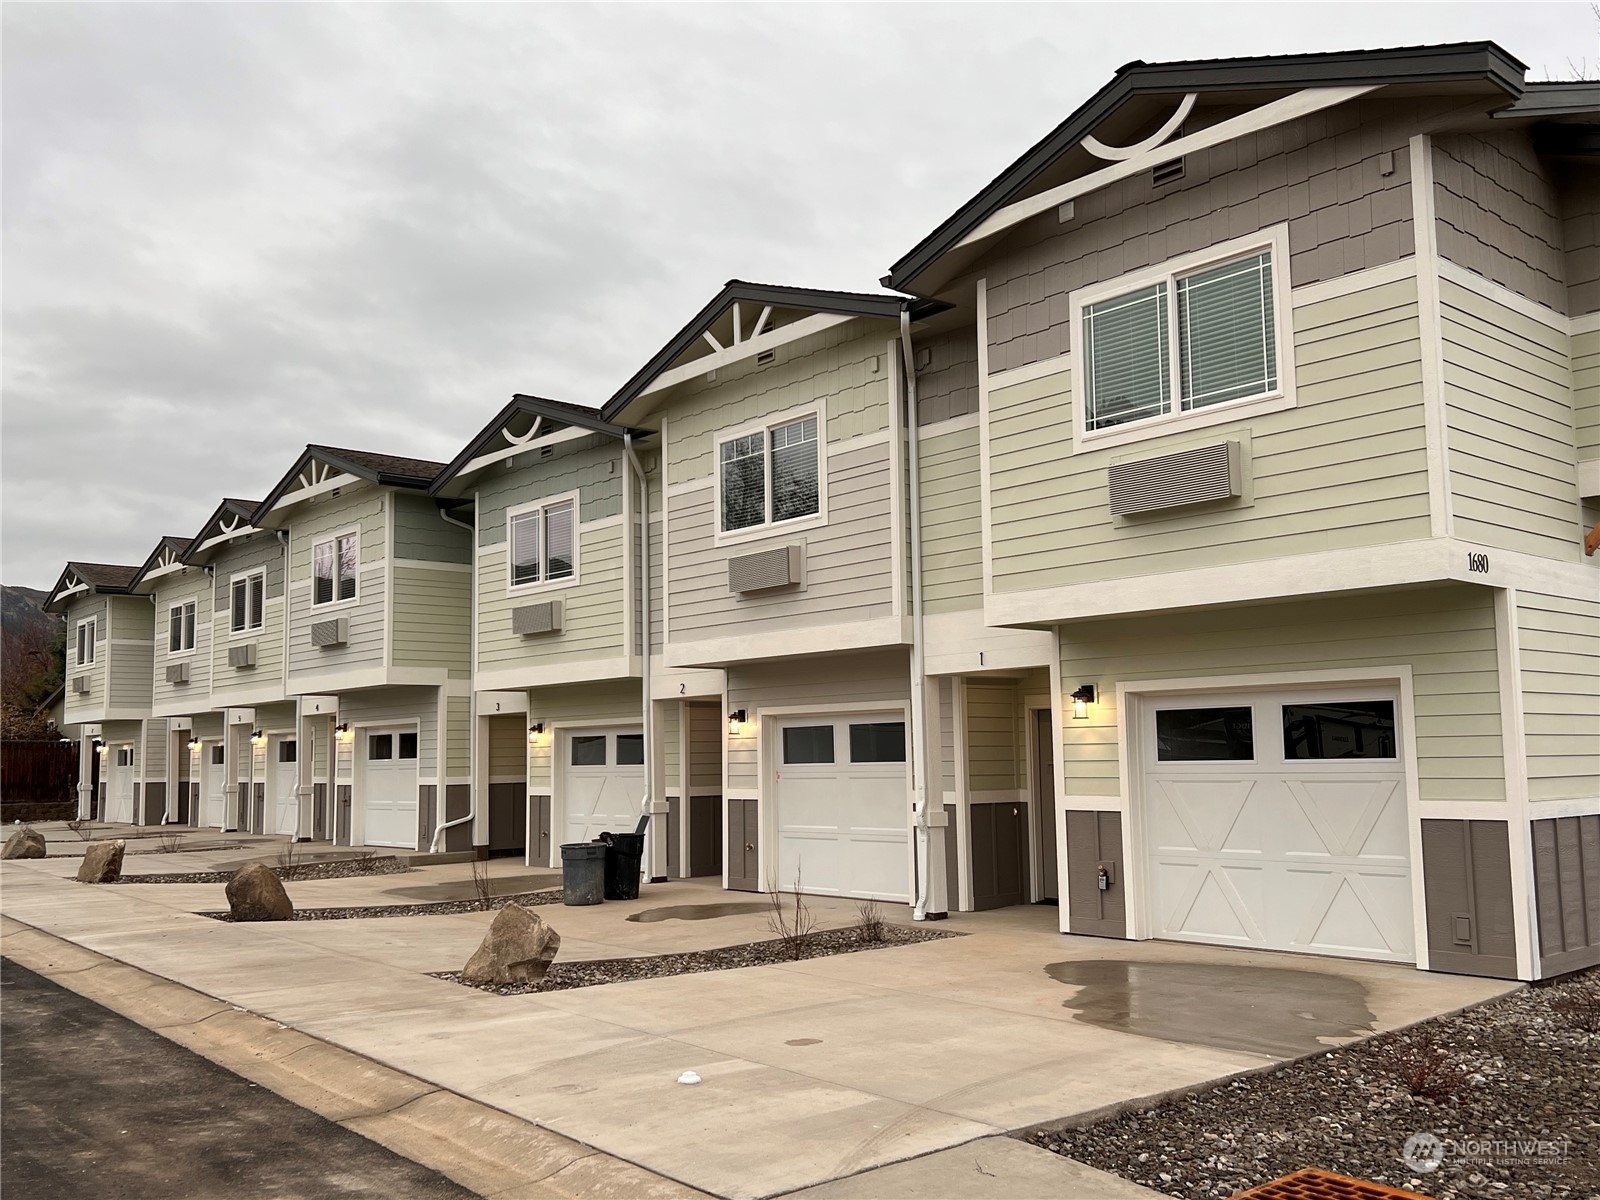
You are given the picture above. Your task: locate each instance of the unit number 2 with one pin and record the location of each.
(1477, 563)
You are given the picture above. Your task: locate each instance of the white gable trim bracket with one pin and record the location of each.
(1276, 112)
(758, 342)
(571, 433)
(317, 479)
(232, 526)
(1122, 153)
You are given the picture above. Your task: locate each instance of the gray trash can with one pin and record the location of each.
(583, 873)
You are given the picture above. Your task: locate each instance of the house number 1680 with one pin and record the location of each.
(1477, 563)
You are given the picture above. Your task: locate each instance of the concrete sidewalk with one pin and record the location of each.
(813, 1071)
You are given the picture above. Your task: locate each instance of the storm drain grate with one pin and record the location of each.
(1312, 1184)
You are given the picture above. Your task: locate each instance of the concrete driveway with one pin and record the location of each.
(811, 1071)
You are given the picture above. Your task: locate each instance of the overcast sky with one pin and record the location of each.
(230, 230)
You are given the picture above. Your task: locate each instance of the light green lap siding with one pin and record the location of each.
(1508, 395)
(130, 675)
(1559, 641)
(227, 681)
(843, 370)
(192, 585)
(508, 747)
(993, 736)
(365, 509)
(1445, 635)
(154, 755)
(94, 699)
(1586, 392)
(607, 702)
(458, 737)
(132, 617)
(952, 522)
(1346, 467)
(432, 618)
(592, 609)
(671, 721)
(421, 533)
(319, 749)
(849, 572)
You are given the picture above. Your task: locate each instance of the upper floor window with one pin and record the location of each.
(248, 599)
(180, 627)
(543, 543)
(333, 569)
(1168, 345)
(85, 646)
(769, 476)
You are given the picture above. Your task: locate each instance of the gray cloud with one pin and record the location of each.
(233, 229)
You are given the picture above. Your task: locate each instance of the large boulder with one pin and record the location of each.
(518, 949)
(26, 842)
(102, 861)
(255, 893)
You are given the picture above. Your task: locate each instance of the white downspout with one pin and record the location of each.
(919, 700)
(644, 625)
(472, 711)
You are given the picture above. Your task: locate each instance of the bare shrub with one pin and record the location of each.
(83, 827)
(480, 881)
(1423, 1066)
(870, 923)
(169, 842)
(793, 924)
(289, 855)
(1579, 1004)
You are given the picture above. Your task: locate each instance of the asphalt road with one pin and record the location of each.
(95, 1107)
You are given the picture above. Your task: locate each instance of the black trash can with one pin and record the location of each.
(624, 864)
(585, 872)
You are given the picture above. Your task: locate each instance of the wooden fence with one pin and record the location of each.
(38, 772)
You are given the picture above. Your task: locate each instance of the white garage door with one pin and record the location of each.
(119, 784)
(283, 782)
(389, 787)
(214, 784)
(1279, 820)
(602, 782)
(842, 806)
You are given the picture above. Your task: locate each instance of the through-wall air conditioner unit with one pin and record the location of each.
(178, 672)
(532, 619)
(242, 656)
(331, 633)
(765, 569)
(80, 685)
(1174, 480)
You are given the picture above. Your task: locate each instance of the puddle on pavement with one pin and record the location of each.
(301, 857)
(1277, 1011)
(464, 889)
(697, 912)
(803, 1042)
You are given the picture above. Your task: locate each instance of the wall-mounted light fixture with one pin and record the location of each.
(535, 730)
(342, 729)
(1081, 699)
(735, 719)
(194, 743)
(257, 738)
(99, 745)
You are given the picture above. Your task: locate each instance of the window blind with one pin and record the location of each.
(794, 470)
(744, 484)
(558, 541)
(525, 548)
(1125, 346)
(1226, 339)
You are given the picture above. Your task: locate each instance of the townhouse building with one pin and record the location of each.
(1192, 537)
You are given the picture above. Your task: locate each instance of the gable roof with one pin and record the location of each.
(239, 511)
(735, 291)
(385, 470)
(106, 579)
(179, 546)
(552, 416)
(1456, 63)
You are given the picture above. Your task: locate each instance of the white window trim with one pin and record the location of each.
(1276, 241)
(543, 584)
(249, 630)
(80, 642)
(764, 425)
(188, 651)
(333, 540)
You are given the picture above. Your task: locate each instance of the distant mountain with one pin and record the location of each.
(22, 614)
(27, 671)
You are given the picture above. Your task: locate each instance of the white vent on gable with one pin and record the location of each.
(533, 619)
(331, 633)
(778, 567)
(766, 358)
(242, 656)
(1167, 172)
(1172, 480)
(178, 672)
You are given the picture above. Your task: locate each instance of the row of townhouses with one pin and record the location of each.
(1192, 533)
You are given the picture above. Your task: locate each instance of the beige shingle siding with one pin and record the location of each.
(1346, 467)
(952, 522)
(1559, 639)
(948, 386)
(1499, 214)
(1319, 174)
(421, 533)
(1445, 634)
(1580, 236)
(591, 466)
(1508, 392)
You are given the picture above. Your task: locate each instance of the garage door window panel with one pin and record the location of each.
(806, 744)
(878, 742)
(286, 752)
(380, 747)
(589, 750)
(408, 746)
(1339, 729)
(1205, 734)
(630, 749)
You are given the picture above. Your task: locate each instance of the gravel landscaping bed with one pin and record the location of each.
(438, 908)
(341, 868)
(563, 976)
(1521, 1069)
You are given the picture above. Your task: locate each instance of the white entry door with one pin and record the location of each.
(602, 782)
(119, 784)
(283, 780)
(1278, 819)
(843, 808)
(389, 787)
(213, 784)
